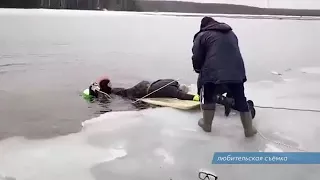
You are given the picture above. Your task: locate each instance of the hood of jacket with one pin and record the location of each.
(215, 26)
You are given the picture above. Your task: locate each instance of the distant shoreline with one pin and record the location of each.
(152, 13)
(215, 8)
(156, 6)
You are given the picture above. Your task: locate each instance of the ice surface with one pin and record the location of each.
(311, 70)
(165, 143)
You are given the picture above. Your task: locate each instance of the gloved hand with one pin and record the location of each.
(93, 88)
(196, 97)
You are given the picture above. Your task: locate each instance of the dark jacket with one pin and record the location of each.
(137, 91)
(162, 88)
(216, 55)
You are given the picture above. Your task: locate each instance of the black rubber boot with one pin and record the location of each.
(251, 108)
(227, 109)
(226, 102)
(208, 111)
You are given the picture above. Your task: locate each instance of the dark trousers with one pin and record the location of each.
(210, 91)
(163, 90)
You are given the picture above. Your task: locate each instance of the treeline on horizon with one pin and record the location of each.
(52, 4)
(154, 6)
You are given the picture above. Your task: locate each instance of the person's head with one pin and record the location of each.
(105, 85)
(206, 21)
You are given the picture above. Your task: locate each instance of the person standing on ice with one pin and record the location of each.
(218, 61)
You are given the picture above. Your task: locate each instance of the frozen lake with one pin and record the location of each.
(49, 132)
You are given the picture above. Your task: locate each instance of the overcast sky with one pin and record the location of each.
(297, 4)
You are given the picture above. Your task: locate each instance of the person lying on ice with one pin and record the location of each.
(162, 88)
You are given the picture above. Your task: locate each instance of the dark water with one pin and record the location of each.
(48, 57)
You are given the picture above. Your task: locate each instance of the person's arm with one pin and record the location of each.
(120, 92)
(139, 90)
(198, 53)
(134, 92)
